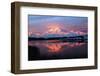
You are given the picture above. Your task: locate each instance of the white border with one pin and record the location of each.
(25, 64)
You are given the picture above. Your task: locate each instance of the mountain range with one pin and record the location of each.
(49, 35)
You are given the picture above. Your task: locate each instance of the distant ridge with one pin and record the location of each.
(74, 38)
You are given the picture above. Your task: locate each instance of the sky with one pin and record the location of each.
(40, 25)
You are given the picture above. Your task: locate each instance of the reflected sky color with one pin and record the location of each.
(54, 46)
(39, 25)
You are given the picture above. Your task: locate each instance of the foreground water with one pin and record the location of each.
(55, 49)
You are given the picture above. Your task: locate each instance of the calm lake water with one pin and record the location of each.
(55, 49)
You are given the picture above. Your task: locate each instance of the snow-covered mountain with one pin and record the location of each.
(49, 35)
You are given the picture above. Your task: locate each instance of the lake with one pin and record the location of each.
(56, 49)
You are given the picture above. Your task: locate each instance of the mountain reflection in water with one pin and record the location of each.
(54, 49)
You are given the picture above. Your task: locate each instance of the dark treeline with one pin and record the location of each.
(75, 38)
